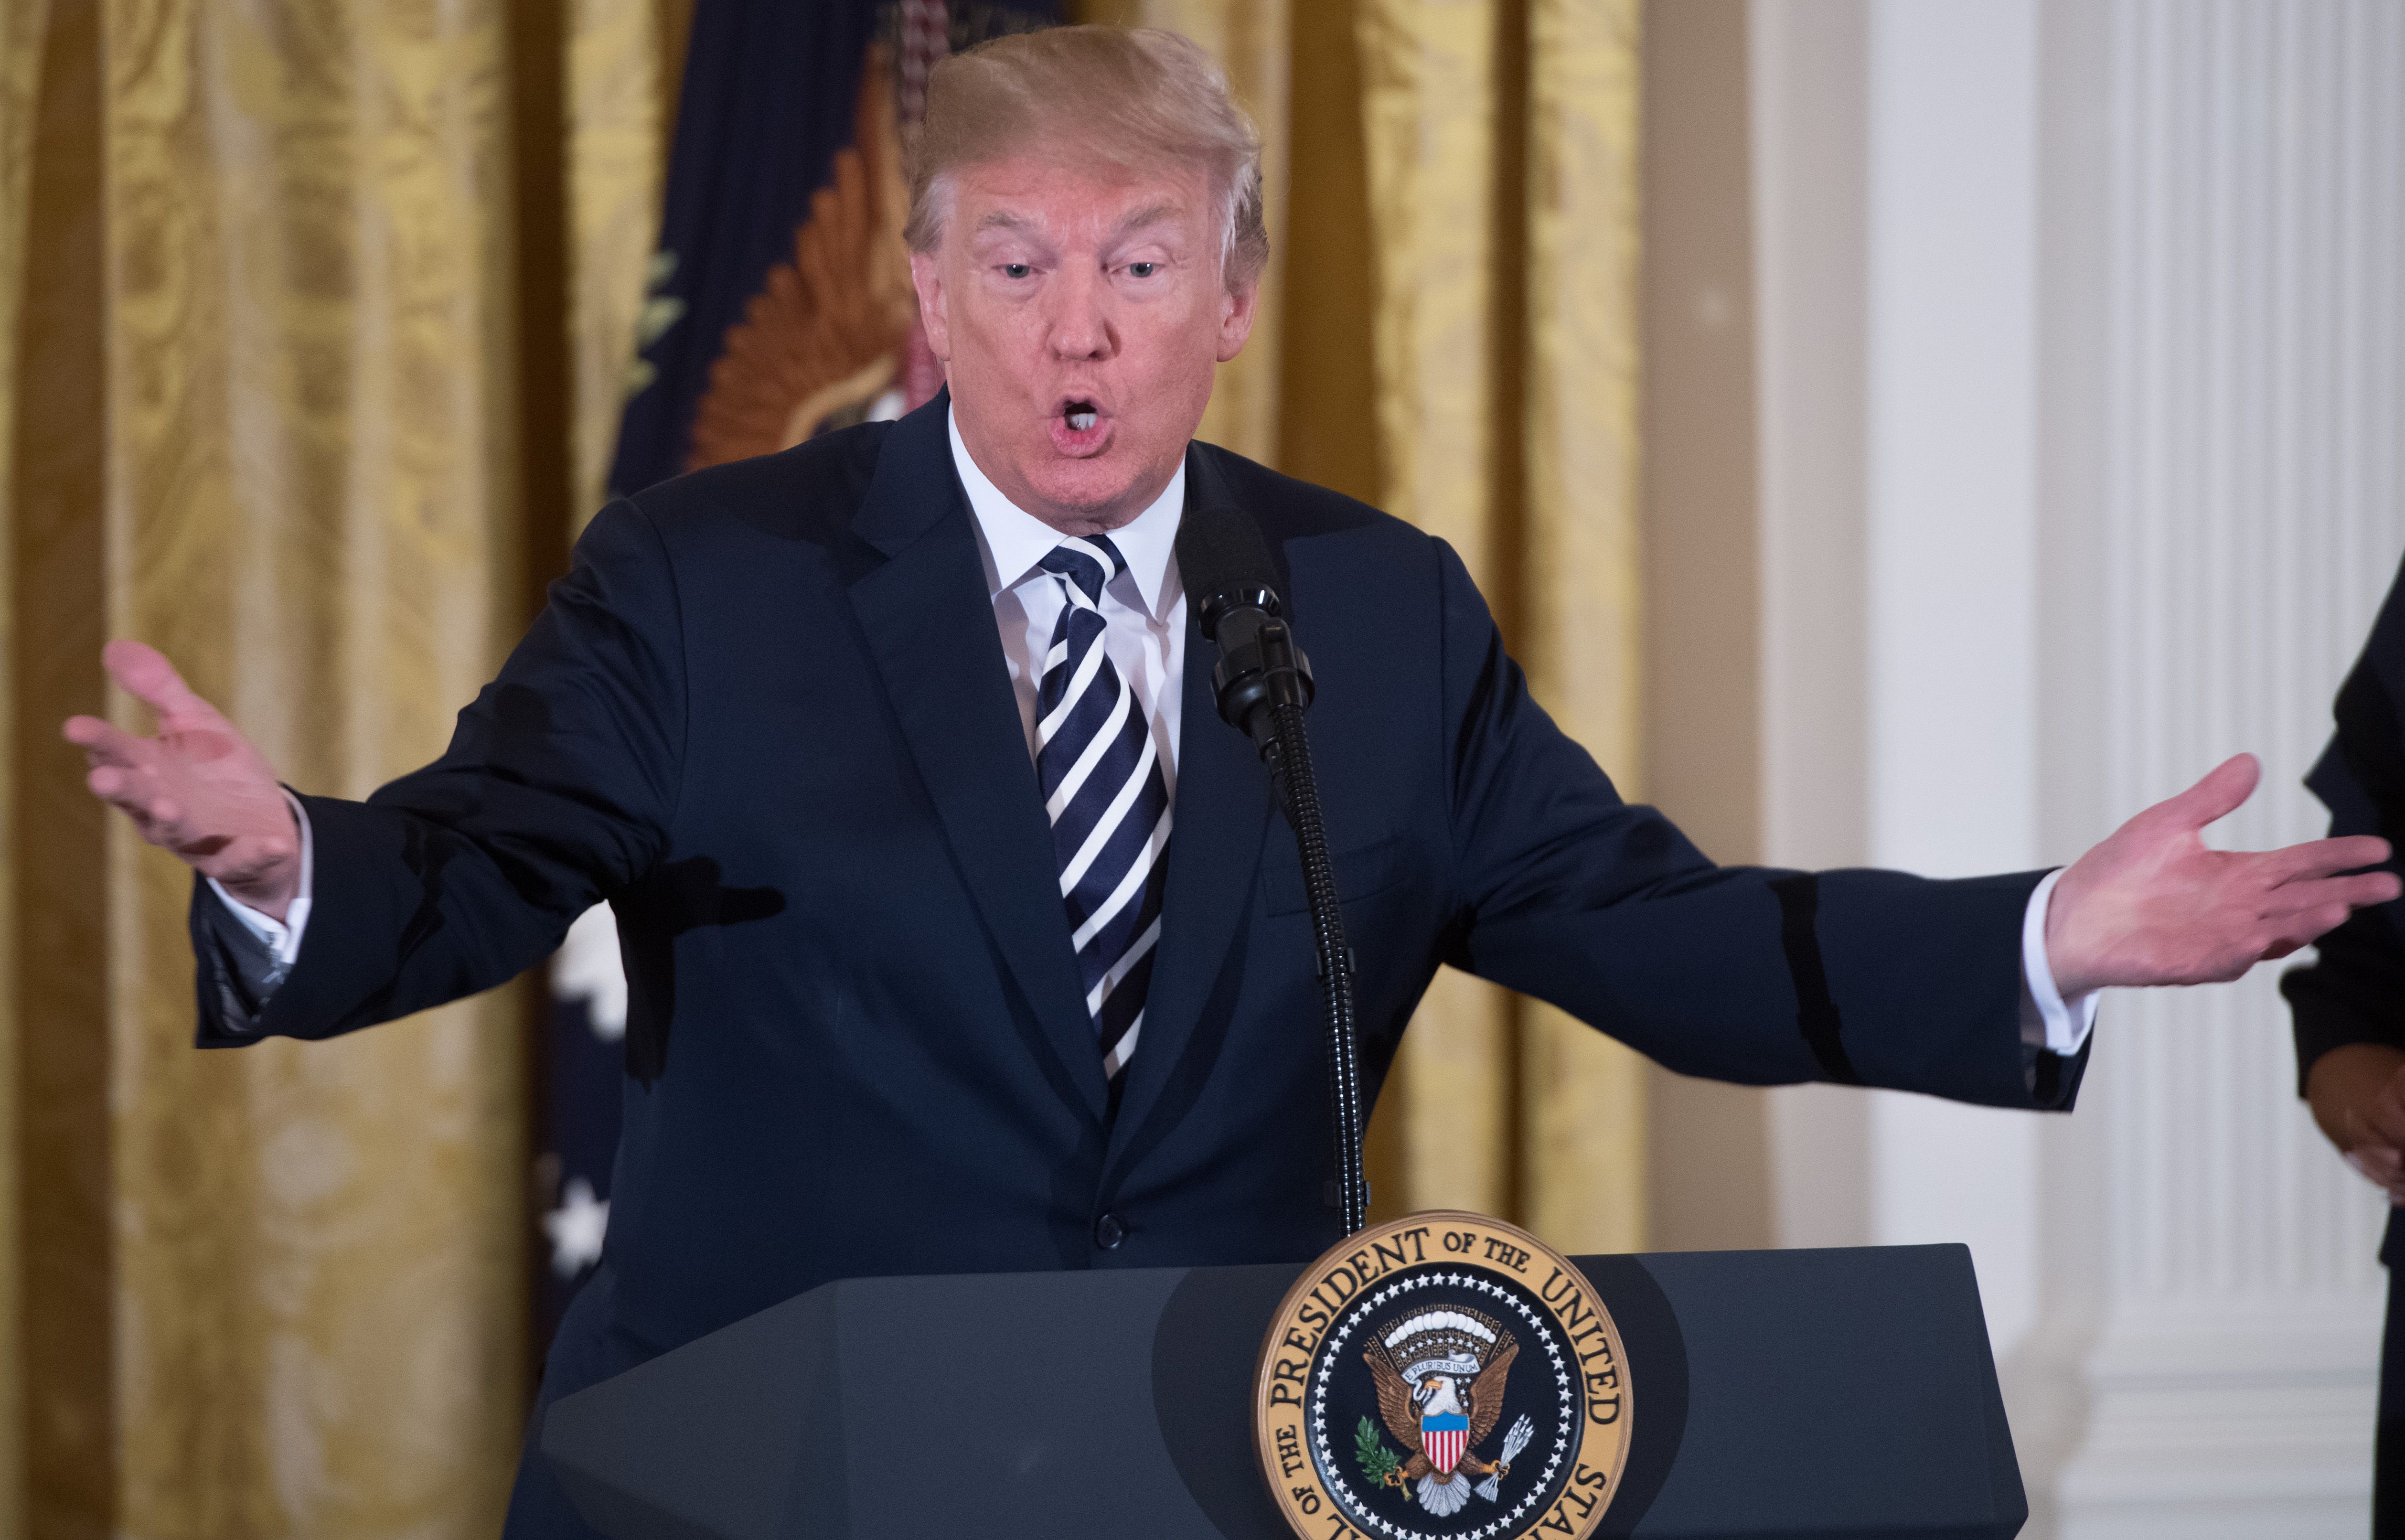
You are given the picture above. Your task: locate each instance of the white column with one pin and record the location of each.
(2224, 259)
(1952, 595)
(2083, 370)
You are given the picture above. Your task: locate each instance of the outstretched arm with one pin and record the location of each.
(557, 789)
(1876, 978)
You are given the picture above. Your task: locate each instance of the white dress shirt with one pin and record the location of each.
(1143, 607)
(1144, 616)
(283, 937)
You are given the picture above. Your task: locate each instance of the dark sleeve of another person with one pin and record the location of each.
(557, 789)
(2355, 991)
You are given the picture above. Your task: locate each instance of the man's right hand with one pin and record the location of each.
(200, 788)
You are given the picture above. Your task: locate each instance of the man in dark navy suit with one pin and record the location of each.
(2348, 1006)
(957, 934)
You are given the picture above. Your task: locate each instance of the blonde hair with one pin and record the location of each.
(1141, 97)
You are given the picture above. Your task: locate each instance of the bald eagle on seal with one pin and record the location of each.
(1404, 1406)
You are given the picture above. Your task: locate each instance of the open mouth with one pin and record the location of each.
(1079, 428)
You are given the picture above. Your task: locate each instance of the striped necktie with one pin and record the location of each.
(1109, 803)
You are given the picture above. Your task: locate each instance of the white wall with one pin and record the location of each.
(2083, 374)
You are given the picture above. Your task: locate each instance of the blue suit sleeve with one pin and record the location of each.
(1736, 973)
(557, 789)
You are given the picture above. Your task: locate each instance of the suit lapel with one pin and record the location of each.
(929, 623)
(1223, 806)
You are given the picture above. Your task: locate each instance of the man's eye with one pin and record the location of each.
(1016, 270)
(1144, 270)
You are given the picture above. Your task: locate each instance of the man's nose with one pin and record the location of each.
(1081, 317)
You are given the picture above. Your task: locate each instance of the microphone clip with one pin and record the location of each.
(1259, 665)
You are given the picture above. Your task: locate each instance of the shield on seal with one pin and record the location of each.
(1444, 1436)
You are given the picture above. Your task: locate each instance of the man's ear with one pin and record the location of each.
(927, 278)
(1237, 313)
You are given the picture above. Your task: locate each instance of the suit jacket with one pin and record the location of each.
(766, 717)
(2354, 990)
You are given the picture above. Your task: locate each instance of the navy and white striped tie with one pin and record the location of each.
(1108, 800)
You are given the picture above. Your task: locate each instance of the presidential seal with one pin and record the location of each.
(1438, 1376)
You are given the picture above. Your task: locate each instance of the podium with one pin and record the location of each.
(1803, 1394)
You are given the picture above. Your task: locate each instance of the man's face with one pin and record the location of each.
(1080, 311)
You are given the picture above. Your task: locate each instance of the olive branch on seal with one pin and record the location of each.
(1377, 1460)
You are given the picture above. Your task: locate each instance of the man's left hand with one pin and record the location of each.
(2155, 905)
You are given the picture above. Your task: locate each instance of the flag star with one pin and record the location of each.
(576, 1228)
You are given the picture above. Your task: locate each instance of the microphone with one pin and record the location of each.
(1231, 584)
(1262, 684)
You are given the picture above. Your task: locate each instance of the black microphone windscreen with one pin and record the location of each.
(1220, 552)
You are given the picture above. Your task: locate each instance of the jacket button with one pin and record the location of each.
(1108, 1232)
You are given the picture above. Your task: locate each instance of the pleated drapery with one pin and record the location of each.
(1580, 619)
(264, 402)
(313, 327)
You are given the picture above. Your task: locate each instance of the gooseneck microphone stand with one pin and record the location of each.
(1262, 685)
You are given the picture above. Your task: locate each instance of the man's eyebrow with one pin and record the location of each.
(1003, 219)
(1151, 214)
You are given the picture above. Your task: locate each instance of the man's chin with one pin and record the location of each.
(1090, 491)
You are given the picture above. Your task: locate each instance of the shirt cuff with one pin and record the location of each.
(2047, 1020)
(280, 937)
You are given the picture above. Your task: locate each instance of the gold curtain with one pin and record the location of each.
(22, 26)
(1580, 622)
(624, 57)
(261, 357)
(1436, 106)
